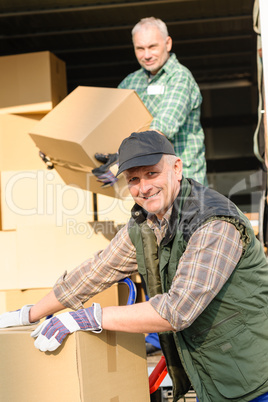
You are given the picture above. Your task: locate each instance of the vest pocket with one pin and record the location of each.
(230, 363)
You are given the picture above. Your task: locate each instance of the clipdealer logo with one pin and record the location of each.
(46, 196)
(40, 193)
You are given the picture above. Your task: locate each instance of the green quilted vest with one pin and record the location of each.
(224, 353)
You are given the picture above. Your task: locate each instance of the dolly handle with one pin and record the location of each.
(157, 375)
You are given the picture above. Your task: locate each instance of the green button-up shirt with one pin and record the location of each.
(173, 98)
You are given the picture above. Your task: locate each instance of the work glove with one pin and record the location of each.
(51, 333)
(106, 173)
(107, 178)
(107, 159)
(16, 318)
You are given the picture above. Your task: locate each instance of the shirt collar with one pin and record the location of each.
(168, 67)
(153, 221)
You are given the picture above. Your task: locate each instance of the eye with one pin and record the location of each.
(153, 46)
(152, 173)
(132, 180)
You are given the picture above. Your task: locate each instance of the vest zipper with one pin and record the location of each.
(215, 326)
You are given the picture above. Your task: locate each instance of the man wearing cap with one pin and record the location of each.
(206, 275)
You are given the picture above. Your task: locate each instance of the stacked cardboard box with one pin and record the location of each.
(48, 225)
(47, 217)
(31, 82)
(32, 85)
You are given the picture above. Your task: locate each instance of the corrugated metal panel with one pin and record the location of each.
(213, 38)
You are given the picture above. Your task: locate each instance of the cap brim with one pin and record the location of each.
(144, 160)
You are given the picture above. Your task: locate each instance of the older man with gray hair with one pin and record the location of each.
(205, 271)
(170, 93)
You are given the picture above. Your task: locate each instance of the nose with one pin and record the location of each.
(145, 186)
(147, 53)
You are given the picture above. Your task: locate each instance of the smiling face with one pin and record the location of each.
(151, 48)
(155, 187)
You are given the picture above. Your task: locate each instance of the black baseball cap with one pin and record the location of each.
(143, 149)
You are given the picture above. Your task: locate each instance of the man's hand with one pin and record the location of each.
(16, 318)
(106, 173)
(51, 333)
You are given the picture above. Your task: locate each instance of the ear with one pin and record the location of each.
(178, 168)
(169, 43)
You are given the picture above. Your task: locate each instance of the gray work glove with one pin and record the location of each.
(16, 318)
(51, 333)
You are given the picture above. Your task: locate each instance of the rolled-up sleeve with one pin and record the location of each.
(107, 267)
(211, 256)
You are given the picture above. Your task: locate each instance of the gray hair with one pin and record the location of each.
(151, 22)
(170, 159)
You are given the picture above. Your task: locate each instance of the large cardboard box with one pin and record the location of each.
(31, 82)
(87, 367)
(89, 120)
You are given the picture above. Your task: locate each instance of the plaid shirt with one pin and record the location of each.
(173, 98)
(210, 257)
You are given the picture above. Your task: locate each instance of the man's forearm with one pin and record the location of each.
(46, 306)
(139, 318)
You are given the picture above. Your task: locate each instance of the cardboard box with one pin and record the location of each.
(17, 150)
(87, 367)
(87, 121)
(31, 82)
(10, 300)
(90, 120)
